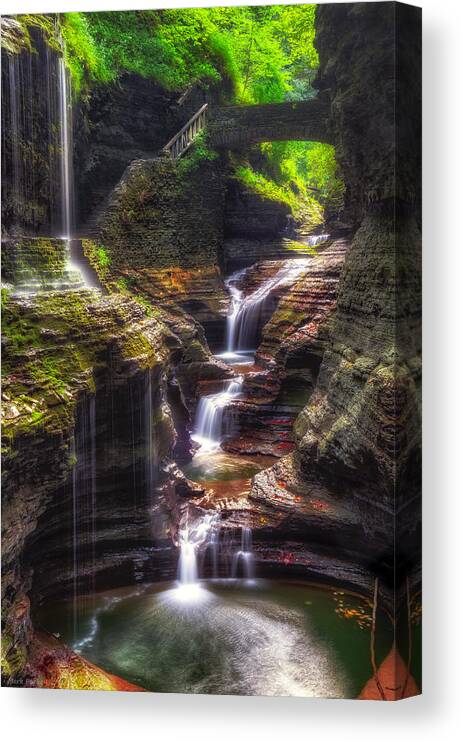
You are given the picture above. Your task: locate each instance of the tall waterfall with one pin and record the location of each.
(36, 122)
(66, 165)
(236, 296)
(84, 493)
(209, 418)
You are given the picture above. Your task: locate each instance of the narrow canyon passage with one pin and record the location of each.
(205, 367)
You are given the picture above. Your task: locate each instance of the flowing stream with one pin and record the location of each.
(209, 420)
(247, 315)
(244, 322)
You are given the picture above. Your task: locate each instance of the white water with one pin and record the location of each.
(190, 538)
(236, 297)
(203, 536)
(316, 239)
(243, 559)
(67, 169)
(66, 150)
(244, 323)
(210, 416)
(247, 314)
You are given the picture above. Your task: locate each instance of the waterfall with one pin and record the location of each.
(212, 547)
(316, 239)
(84, 487)
(244, 557)
(74, 248)
(74, 460)
(248, 314)
(13, 70)
(236, 296)
(244, 323)
(149, 434)
(190, 539)
(209, 418)
(66, 166)
(187, 565)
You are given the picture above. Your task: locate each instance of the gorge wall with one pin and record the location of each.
(359, 436)
(136, 356)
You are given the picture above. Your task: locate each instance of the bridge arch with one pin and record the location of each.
(237, 126)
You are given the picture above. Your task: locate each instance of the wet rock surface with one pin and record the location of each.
(332, 396)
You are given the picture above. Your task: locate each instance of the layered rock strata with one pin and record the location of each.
(93, 407)
(294, 338)
(359, 436)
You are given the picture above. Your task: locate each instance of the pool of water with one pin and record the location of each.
(231, 637)
(225, 467)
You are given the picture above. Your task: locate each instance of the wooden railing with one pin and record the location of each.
(185, 137)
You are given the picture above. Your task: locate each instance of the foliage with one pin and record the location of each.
(266, 53)
(197, 154)
(257, 54)
(103, 258)
(81, 52)
(5, 295)
(301, 174)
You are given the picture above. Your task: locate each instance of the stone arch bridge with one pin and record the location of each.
(239, 126)
(234, 127)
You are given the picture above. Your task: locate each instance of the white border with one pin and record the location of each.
(58, 715)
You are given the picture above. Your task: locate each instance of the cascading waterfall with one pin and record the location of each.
(190, 539)
(243, 559)
(236, 296)
(210, 416)
(316, 239)
(247, 314)
(244, 321)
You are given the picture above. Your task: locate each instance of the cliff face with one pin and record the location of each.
(116, 124)
(359, 436)
(254, 227)
(162, 230)
(370, 75)
(93, 404)
(100, 390)
(297, 323)
(119, 123)
(31, 199)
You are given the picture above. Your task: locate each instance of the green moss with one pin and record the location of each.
(198, 153)
(5, 294)
(301, 247)
(136, 345)
(13, 658)
(150, 311)
(99, 258)
(38, 258)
